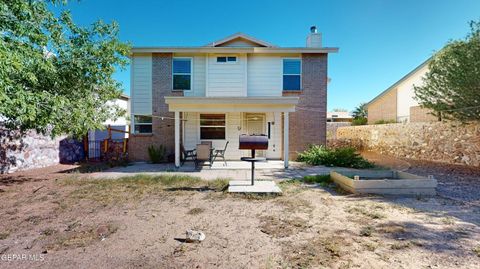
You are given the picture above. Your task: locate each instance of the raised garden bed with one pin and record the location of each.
(384, 182)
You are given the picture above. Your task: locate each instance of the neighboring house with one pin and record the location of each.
(397, 103)
(236, 85)
(97, 136)
(340, 116)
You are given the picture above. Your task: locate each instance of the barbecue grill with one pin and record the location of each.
(253, 142)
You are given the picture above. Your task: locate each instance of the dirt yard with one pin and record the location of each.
(56, 219)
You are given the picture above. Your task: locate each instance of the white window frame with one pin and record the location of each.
(301, 71)
(191, 74)
(200, 126)
(135, 124)
(227, 62)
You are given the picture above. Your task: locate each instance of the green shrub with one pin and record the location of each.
(156, 154)
(359, 121)
(341, 157)
(385, 121)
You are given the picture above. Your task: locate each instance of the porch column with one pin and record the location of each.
(177, 139)
(285, 139)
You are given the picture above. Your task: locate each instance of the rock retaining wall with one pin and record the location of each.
(32, 150)
(448, 142)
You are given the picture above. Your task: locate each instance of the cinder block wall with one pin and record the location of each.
(384, 108)
(163, 130)
(308, 124)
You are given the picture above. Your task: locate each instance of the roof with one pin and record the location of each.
(238, 36)
(216, 47)
(339, 114)
(399, 82)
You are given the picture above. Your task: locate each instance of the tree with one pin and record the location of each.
(55, 76)
(360, 111)
(359, 114)
(451, 88)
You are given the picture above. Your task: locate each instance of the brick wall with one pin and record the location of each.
(308, 122)
(384, 108)
(419, 114)
(163, 130)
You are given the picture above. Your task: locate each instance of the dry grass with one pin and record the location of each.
(82, 237)
(282, 226)
(320, 252)
(196, 211)
(373, 212)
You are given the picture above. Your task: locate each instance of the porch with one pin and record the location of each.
(221, 120)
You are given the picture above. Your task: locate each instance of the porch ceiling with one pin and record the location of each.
(231, 104)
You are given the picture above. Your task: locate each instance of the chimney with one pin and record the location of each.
(314, 39)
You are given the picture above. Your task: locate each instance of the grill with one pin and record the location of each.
(253, 142)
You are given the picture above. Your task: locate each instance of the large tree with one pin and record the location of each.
(55, 76)
(451, 88)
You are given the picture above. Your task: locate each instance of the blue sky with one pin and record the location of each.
(379, 40)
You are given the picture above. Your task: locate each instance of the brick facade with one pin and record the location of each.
(163, 131)
(308, 124)
(419, 114)
(384, 108)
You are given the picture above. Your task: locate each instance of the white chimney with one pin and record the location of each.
(314, 39)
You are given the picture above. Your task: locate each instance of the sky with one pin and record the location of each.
(379, 40)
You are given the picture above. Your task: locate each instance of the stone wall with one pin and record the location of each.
(448, 142)
(32, 150)
(332, 129)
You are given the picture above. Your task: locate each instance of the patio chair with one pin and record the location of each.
(187, 154)
(221, 153)
(204, 154)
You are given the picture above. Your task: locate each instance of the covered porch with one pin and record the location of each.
(221, 120)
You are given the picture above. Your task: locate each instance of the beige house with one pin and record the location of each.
(397, 103)
(182, 96)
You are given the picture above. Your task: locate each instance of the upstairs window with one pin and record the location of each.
(226, 59)
(212, 126)
(292, 73)
(142, 124)
(182, 74)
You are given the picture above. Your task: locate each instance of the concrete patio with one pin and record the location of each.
(235, 170)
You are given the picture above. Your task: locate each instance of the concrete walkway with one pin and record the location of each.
(272, 170)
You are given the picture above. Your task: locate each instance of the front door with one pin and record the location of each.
(256, 126)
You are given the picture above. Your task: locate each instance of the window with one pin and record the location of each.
(292, 74)
(142, 124)
(212, 126)
(182, 73)
(226, 59)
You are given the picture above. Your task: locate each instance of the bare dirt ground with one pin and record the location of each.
(67, 222)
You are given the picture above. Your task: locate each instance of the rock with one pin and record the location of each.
(194, 236)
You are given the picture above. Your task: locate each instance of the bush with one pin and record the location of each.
(385, 121)
(156, 154)
(359, 121)
(341, 157)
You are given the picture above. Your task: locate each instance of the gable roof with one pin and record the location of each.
(395, 85)
(240, 35)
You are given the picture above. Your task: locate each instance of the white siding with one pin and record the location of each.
(141, 85)
(234, 122)
(227, 79)
(406, 94)
(264, 75)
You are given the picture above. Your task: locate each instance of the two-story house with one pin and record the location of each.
(233, 86)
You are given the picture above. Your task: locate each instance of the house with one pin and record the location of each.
(339, 116)
(237, 85)
(397, 103)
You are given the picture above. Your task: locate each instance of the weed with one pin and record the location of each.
(195, 211)
(369, 212)
(279, 226)
(48, 231)
(476, 250)
(400, 245)
(341, 157)
(4, 235)
(366, 231)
